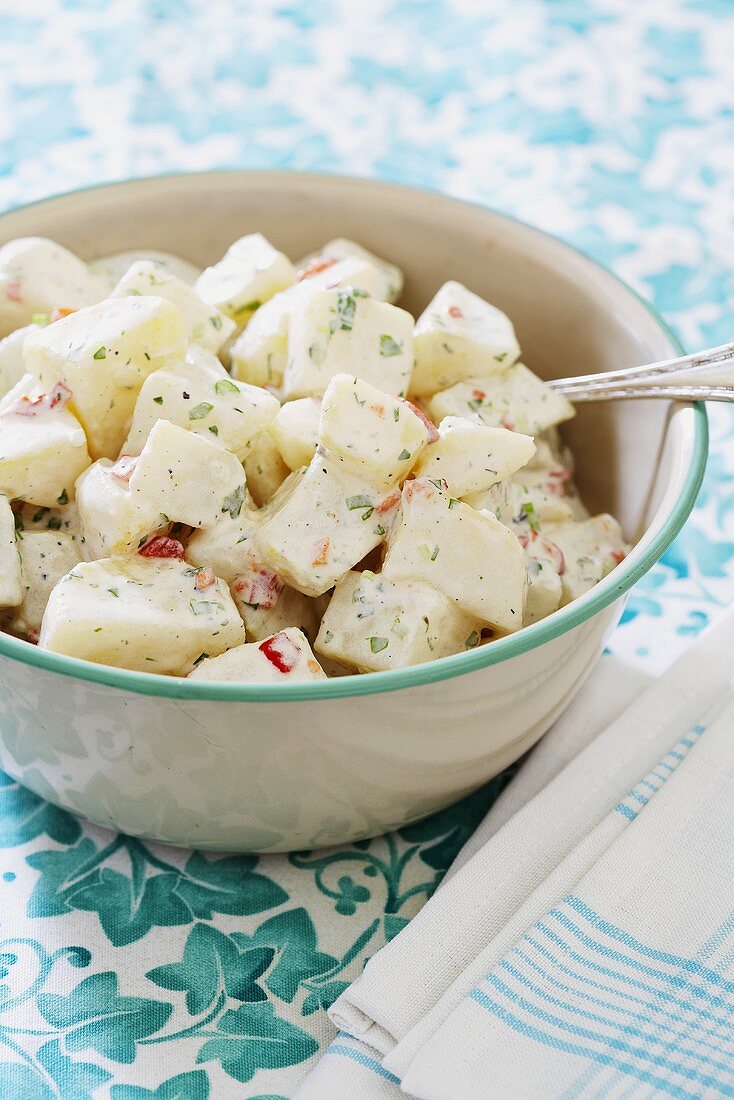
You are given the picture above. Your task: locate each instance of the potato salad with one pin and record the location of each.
(269, 471)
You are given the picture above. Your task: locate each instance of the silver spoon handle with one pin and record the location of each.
(703, 376)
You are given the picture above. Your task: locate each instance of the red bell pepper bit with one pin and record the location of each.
(617, 556)
(124, 468)
(57, 314)
(557, 480)
(508, 423)
(13, 291)
(162, 547)
(423, 486)
(454, 311)
(431, 427)
(321, 552)
(537, 546)
(33, 637)
(388, 503)
(280, 651)
(316, 266)
(205, 578)
(260, 587)
(44, 402)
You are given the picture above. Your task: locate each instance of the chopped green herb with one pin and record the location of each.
(389, 346)
(63, 497)
(200, 658)
(529, 513)
(214, 429)
(475, 404)
(114, 592)
(358, 502)
(41, 319)
(100, 353)
(404, 455)
(453, 502)
(396, 414)
(472, 640)
(200, 411)
(328, 636)
(216, 322)
(233, 502)
(158, 400)
(54, 523)
(316, 354)
(97, 629)
(380, 530)
(434, 553)
(345, 310)
(378, 644)
(225, 385)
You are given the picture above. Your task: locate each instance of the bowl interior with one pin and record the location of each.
(571, 316)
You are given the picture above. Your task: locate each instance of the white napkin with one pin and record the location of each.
(421, 1013)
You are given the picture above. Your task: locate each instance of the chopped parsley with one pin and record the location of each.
(378, 644)
(404, 455)
(233, 502)
(100, 353)
(225, 385)
(63, 497)
(200, 411)
(158, 400)
(389, 346)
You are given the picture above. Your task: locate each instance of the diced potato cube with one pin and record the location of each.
(12, 362)
(205, 324)
(43, 448)
(532, 498)
(47, 557)
(379, 278)
(29, 517)
(291, 607)
(104, 354)
(112, 520)
(145, 614)
(339, 329)
(296, 431)
(544, 590)
(373, 624)
(468, 555)
(250, 272)
(223, 546)
(11, 586)
(371, 434)
(260, 352)
(265, 469)
(459, 336)
(517, 400)
(590, 550)
(325, 524)
(186, 478)
(204, 400)
(471, 457)
(286, 656)
(39, 276)
(110, 269)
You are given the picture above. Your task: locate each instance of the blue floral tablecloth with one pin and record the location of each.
(131, 971)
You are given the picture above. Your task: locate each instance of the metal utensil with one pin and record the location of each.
(703, 376)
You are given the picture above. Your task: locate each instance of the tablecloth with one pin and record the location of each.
(128, 970)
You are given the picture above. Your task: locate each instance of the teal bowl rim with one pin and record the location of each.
(619, 581)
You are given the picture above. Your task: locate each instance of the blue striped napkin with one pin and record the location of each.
(586, 948)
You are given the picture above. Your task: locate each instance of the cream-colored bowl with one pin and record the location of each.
(270, 768)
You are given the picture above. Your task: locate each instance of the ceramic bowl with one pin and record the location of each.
(269, 768)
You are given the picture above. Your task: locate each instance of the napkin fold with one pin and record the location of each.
(558, 957)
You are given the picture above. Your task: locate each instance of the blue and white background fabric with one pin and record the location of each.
(129, 971)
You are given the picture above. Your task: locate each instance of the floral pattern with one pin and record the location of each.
(130, 971)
